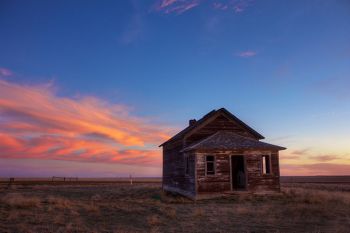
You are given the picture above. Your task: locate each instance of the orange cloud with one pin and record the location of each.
(36, 123)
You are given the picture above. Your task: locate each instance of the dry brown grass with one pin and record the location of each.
(144, 208)
(59, 202)
(17, 200)
(153, 220)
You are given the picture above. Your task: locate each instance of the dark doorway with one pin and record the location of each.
(238, 172)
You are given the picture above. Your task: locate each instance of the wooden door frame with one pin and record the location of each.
(245, 170)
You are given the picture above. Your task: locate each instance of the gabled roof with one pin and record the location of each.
(224, 140)
(211, 114)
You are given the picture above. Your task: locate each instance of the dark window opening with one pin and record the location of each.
(266, 164)
(210, 165)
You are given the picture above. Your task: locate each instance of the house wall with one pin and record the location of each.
(258, 182)
(221, 181)
(174, 177)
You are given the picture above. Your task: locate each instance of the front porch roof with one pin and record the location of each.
(224, 140)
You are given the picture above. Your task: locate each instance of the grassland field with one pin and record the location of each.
(30, 205)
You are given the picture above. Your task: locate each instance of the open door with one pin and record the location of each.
(238, 173)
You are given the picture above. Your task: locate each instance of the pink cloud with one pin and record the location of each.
(300, 152)
(166, 3)
(5, 72)
(36, 123)
(247, 54)
(290, 157)
(324, 158)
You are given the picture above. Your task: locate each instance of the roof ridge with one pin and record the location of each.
(232, 137)
(211, 114)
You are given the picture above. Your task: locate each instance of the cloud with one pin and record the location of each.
(324, 158)
(237, 6)
(326, 169)
(36, 123)
(134, 28)
(181, 6)
(166, 3)
(290, 157)
(176, 6)
(5, 72)
(247, 53)
(300, 152)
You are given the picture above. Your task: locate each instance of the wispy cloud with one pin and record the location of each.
(36, 123)
(324, 158)
(166, 3)
(181, 6)
(247, 53)
(300, 152)
(290, 157)
(4, 72)
(237, 6)
(134, 29)
(176, 6)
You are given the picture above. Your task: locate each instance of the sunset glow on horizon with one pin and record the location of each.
(94, 93)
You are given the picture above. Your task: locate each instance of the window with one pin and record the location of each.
(210, 165)
(266, 164)
(187, 164)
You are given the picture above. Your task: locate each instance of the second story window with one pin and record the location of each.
(210, 165)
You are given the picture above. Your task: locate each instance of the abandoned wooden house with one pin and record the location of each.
(219, 154)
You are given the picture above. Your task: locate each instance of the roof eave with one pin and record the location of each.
(233, 149)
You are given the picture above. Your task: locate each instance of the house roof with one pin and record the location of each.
(224, 140)
(208, 116)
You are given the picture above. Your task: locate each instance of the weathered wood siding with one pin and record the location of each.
(257, 181)
(174, 177)
(219, 182)
(219, 123)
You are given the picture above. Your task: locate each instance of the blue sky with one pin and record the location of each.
(281, 66)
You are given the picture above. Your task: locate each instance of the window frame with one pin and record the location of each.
(263, 157)
(206, 165)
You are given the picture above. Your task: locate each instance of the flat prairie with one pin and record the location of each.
(143, 207)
